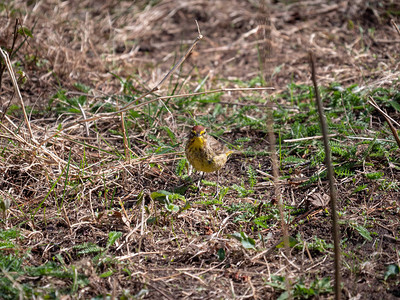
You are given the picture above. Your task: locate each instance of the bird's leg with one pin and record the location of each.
(189, 168)
(198, 183)
(217, 188)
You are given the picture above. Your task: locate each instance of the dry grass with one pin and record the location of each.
(75, 186)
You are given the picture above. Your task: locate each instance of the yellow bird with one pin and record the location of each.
(204, 152)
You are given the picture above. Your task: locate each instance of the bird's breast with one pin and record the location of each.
(197, 142)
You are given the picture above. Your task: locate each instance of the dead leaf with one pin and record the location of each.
(319, 200)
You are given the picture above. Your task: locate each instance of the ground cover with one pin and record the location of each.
(90, 212)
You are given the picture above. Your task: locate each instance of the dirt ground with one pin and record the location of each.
(98, 44)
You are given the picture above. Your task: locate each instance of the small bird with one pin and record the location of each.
(204, 152)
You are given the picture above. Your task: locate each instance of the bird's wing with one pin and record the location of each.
(216, 146)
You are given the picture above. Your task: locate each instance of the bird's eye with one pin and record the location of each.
(202, 132)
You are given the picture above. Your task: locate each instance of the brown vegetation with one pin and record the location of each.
(76, 185)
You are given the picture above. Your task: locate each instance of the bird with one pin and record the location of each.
(204, 152)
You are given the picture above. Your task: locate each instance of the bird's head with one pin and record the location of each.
(197, 135)
(198, 131)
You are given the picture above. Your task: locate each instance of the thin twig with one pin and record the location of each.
(84, 116)
(388, 119)
(317, 137)
(395, 26)
(265, 54)
(34, 147)
(368, 139)
(132, 255)
(15, 84)
(67, 219)
(160, 291)
(129, 105)
(177, 65)
(376, 106)
(113, 114)
(10, 52)
(3, 66)
(333, 193)
(126, 146)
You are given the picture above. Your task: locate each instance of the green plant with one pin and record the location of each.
(167, 199)
(252, 176)
(15, 269)
(361, 230)
(246, 241)
(300, 290)
(242, 191)
(316, 244)
(392, 270)
(374, 175)
(102, 256)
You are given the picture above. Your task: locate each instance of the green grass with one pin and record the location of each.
(83, 216)
(16, 269)
(170, 205)
(347, 114)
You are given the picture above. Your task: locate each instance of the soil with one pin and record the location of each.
(100, 43)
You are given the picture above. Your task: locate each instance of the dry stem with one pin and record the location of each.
(388, 119)
(15, 84)
(333, 193)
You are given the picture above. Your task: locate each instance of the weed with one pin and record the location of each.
(15, 270)
(300, 290)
